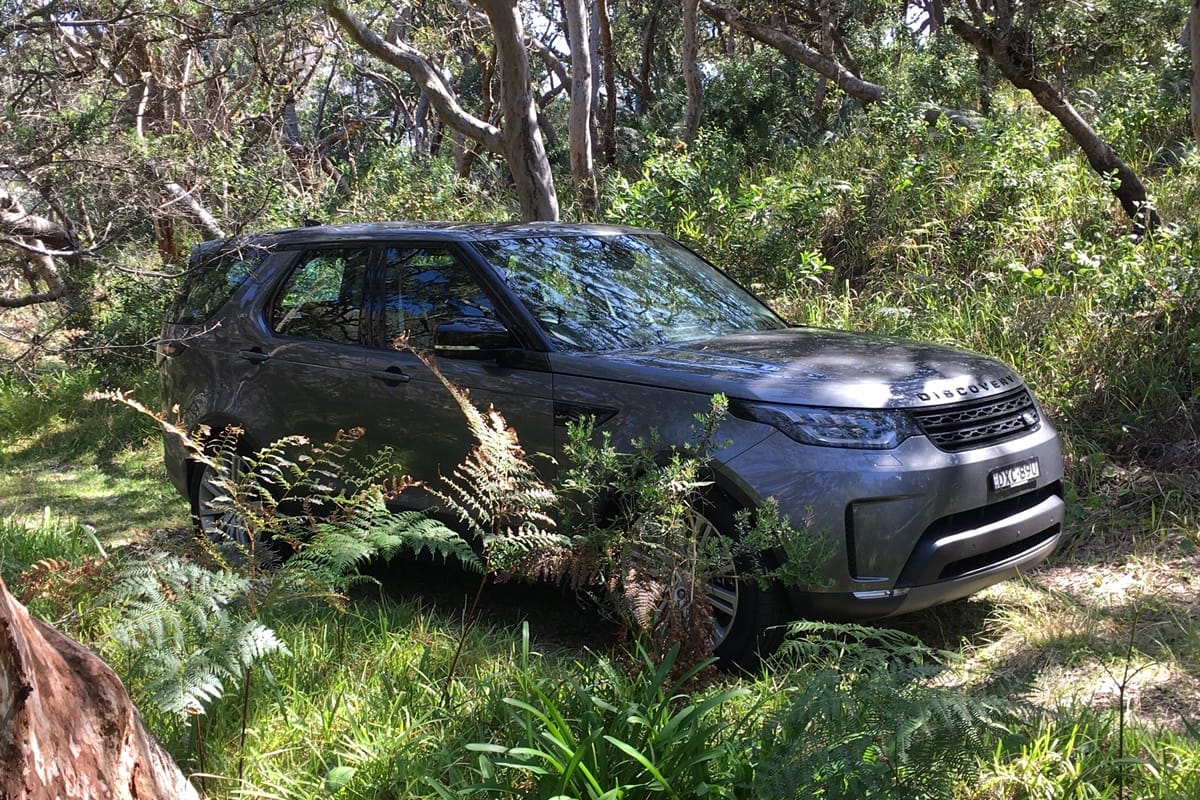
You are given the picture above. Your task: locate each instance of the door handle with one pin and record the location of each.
(254, 355)
(392, 376)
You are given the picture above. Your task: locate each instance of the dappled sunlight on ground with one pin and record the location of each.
(1098, 633)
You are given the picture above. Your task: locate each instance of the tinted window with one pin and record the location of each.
(211, 281)
(424, 287)
(623, 291)
(323, 297)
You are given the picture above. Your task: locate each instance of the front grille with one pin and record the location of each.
(981, 423)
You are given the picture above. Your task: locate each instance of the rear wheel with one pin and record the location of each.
(227, 523)
(215, 515)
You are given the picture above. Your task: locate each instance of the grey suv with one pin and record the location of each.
(932, 468)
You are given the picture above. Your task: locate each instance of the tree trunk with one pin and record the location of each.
(70, 730)
(1194, 47)
(863, 91)
(192, 210)
(39, 241)
(579, 120)
(691, 70)
(1127, 187)
(520, 141)
(610, 82)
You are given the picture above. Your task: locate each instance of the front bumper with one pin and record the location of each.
(985, 565)
(910, 527)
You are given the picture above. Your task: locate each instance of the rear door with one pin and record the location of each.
(299, 362)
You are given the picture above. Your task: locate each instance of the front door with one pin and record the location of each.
(420, 286)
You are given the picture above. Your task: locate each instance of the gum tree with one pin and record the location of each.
(518, 140)
(1003, 33)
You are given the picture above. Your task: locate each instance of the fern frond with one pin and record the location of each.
(872, 724)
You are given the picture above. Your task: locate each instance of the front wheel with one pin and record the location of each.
(745, 614)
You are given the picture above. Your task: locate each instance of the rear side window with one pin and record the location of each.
(211, 281)
(323, 297)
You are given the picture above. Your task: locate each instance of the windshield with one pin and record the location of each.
(617, 292)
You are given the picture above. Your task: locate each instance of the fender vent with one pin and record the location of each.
(982, 423)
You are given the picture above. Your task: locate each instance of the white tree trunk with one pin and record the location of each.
(579, 121)
(521, 139)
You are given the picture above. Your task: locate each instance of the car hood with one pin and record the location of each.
(808, 366)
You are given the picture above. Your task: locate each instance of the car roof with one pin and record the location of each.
(434, 231)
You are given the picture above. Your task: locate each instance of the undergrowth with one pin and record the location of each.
(1000, 240)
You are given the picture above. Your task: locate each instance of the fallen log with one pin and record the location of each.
(67, 726)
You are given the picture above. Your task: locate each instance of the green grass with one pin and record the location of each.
(95, 464)
(1006, 244)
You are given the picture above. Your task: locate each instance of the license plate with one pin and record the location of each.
(1014, 475)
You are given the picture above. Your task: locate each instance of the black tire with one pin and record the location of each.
(222, 525)
(746, 615)
(210, 519)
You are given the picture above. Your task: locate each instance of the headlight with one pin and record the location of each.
(832, 427)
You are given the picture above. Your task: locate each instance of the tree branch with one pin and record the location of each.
(421, 69)
(1015, 65)
(863, 91)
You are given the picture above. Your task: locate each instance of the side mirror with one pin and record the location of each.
(471, 337)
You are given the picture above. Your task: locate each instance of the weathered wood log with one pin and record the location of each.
(67, 726)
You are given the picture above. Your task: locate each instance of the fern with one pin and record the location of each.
(184, 629)
(496, 492)
(192, 631)
(864, 718)
(366, 528)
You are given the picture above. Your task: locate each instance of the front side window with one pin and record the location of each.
(424, 287)
(323, 297)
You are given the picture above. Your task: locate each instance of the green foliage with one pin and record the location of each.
(395, 184)
(52, 565)
(51, 538)
(1071, 754)
(496, 492)
(644, 534)
(762, 104)
(610, 734)
(865, 719)
(187, 631)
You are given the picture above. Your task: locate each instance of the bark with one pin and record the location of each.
(935, 16)
(39, 241)
(863, 91)
(609, 136)
(1194, 48)
(520, 140)
(644, 89)
(1018, 70)
(691, 70)
(191, 209)
(70, 730)
(579, 120)
(594, 55)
